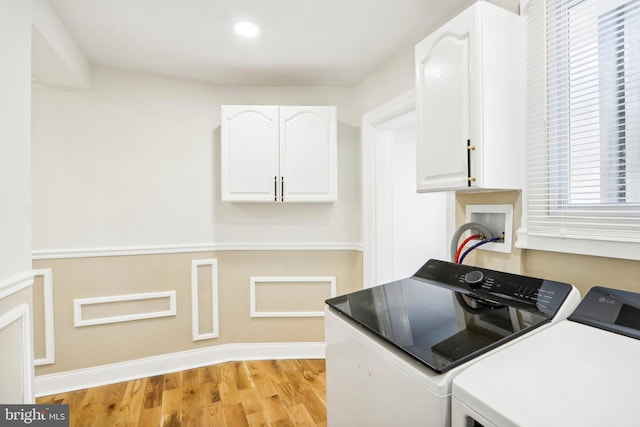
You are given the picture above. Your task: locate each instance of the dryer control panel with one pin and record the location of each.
(613, 310)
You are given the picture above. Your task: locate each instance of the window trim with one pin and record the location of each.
(574, 245)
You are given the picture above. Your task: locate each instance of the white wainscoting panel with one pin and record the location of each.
(195, 301)
(49, 338)
(21, 314)
(255, 281)
(79, 303)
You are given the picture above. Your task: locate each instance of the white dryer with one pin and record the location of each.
(584, 371)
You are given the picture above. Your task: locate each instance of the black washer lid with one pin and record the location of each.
(613, 310)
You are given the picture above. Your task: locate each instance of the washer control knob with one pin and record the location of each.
(474, 277)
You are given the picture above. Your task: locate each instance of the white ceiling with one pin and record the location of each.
(302, 42)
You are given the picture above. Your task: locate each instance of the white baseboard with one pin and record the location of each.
(45, 385)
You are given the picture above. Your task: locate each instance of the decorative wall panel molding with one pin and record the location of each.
(80, 303)
(255, 282)
(13, 284)
(21, 314)
(49, 337)
(46, 385)
(195, 300)
(204, 247)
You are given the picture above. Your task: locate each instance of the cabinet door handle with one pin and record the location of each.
(470, 148)
(275, 188)
(282, 189)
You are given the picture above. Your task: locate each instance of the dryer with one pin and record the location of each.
(393, 350)
(584, 371)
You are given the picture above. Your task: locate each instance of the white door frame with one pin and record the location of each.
(373, 126)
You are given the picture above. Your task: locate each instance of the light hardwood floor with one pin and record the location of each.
(274, 393)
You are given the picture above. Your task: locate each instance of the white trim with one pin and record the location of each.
(118, 251)
(80, 302)
(157, 365)
(197, 247)
(195, 309)
(598, 248)
(15, 283)
(397, 107)
(253, 281)
(21, 313)
(289, 246)
(49, 337)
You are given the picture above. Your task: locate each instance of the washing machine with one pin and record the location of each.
(584, 371)
(392, 351)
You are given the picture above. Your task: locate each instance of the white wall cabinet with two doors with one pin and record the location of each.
(276, 154)
(469, 85)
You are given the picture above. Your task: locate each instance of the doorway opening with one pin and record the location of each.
(402, 228)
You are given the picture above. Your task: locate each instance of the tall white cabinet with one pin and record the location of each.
(469, 84)
(279, 153)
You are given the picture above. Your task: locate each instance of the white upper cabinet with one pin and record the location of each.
(279, 154)
(468, 86)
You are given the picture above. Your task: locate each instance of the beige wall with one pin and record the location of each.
(582, 271)
(90, 346)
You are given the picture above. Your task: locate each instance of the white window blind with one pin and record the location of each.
(583, 125)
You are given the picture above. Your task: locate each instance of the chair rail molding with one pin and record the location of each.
(41, 254)
(16, 283)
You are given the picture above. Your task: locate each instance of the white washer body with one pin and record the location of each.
(371, 383)
(569, 374)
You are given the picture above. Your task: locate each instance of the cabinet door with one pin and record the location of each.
(249, 153)
(445, 79)
(308, 154)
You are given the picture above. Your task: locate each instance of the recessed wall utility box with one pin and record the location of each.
(498, 219)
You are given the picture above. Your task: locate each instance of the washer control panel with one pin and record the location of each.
(511, 289)
(526, 292)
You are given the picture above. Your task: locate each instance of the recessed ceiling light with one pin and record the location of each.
(246, 29)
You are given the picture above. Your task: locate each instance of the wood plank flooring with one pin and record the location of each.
(275, 393)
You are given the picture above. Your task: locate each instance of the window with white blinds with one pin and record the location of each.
(583, 126)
